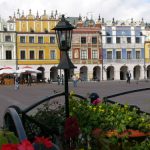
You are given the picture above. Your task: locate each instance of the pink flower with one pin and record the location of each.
(97, 101)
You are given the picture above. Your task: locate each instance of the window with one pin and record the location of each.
(117, 39)
(83, 54)
(7, 38)
(129, 55)
(22, 39)
(137, 39)
(94, 54)
(83, 40)
(52, 40)
(31, 39)
(94, 40)
(138, 55)
(128, 39)
(32, 54)
(118, 54)
(41, 54)
(52, 54)
(22, 55)
(109, 54)
(40, 39)
(108, 40)
(8, 54)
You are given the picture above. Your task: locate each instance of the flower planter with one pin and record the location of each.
(129, 132)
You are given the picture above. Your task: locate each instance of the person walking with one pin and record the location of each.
(128, 77)
(16, 83)
(58, 79)
(62, 79)
(29, 80)
(75, 80)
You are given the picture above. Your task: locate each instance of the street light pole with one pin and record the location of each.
(100, 33)
(63, 32)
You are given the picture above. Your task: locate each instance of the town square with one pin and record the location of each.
(74, 80)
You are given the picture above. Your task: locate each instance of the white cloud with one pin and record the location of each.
(106, 8)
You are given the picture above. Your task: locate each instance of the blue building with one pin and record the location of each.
(123, 49)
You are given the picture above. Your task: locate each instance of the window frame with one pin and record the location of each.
(94, 40)
(83, 40)
(52, 41)
(31, 54)
(21, 54)
(41, 57)
(8, 54)
(84, 54)
(39, 40)
(53, 54)
(109, 56)
(31, 39)
(107, 40)
(9, 38)
(94, 54)
(129, 55)
(22, 39)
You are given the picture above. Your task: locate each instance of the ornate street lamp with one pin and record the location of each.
(63, 32)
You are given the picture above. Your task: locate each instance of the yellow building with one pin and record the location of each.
(36, 43)
(147, 53)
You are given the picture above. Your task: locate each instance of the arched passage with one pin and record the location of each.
(123, 71)
(148, 72)
(41, 76)
(53, 74)
(83, 73)
(136, 72)
(110, 73)
(96, 73)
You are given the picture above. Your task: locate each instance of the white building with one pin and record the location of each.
(7, 43)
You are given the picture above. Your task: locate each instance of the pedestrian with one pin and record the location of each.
(16, 83)
(29, 80)
(95, 99)
(128, 77)
(58, 79)
(62, 79)
(75, 80)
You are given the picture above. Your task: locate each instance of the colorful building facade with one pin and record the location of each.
(36, 43)
(86, 52)
(101, 50)
(123, 49)
(7, 44)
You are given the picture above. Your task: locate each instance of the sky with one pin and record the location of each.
(119, 9)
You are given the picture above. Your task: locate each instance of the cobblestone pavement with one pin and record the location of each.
(28, 95)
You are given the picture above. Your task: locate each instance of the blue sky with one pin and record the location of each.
(119, 9)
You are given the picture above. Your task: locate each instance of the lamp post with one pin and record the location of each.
(100, 33)
(63, 32)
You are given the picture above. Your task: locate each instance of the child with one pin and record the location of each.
(95, 100)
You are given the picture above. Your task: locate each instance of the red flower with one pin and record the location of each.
(71, 128)
(25, 145)
(45, 141)
(9, 147)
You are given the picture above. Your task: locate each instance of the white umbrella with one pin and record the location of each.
(28, 69)
(7, 70)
